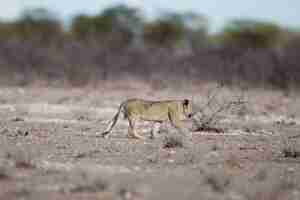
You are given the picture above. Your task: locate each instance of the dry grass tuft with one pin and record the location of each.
(172, 142)
(290, 148)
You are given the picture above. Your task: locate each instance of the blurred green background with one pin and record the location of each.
(66, 42)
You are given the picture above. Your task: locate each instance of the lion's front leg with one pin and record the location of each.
(154, 129)
(132, 129)
(177, 123)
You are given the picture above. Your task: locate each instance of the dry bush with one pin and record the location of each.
(216, 107)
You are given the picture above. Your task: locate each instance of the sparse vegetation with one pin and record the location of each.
(290, 148)
(172, 142)
(215, 108)
(58, 161)
(252, 34)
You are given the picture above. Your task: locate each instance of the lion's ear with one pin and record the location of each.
(186, 102)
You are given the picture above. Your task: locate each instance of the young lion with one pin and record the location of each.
(156, 111)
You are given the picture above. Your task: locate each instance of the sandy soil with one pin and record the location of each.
(49, 150)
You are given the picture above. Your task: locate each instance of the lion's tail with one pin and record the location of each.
(113, 121)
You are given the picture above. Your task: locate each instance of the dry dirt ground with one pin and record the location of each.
(48, 149)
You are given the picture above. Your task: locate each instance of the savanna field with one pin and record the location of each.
(49, 148)
(60, 84)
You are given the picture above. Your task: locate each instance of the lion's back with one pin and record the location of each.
(150, 110)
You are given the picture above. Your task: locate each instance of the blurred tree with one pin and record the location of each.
(174, 29)
(251, 33)
(83, 27)
(117, 25)
(6, 30)
(38, 24)
(168, 30)
(196, 26)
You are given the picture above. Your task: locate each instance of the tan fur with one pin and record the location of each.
(155, 111)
